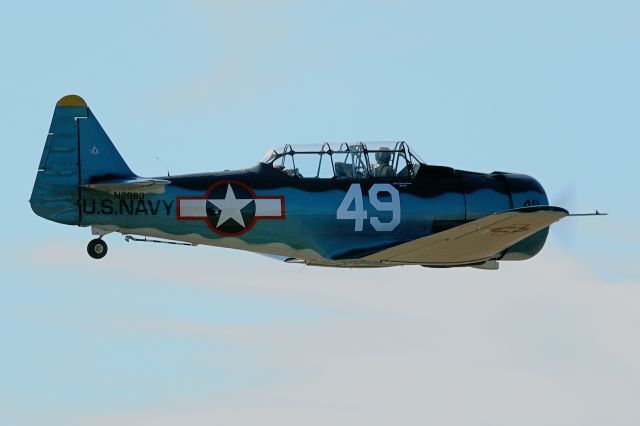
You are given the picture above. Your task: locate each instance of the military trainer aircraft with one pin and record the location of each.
(347, 205)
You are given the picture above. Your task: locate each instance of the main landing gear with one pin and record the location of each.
(97, 248)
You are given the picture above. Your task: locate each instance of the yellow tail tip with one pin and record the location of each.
(71, 100)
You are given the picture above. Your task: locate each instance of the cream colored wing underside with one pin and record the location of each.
(475, 241)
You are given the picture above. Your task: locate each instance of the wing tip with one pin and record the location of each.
(71, 101)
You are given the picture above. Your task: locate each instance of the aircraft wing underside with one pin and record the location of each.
(474, 242)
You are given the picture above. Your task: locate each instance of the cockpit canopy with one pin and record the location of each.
(345, 160)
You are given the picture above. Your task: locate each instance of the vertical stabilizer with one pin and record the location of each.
(77, 151)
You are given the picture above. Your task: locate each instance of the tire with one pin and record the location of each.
(97, 248)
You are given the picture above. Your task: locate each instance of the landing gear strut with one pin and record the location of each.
(97, 248)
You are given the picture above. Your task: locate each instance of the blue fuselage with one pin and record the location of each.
(313, 219)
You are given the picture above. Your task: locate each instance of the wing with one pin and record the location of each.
(474, 242)
(134, 184)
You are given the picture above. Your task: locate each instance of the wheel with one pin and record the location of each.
(97, 248)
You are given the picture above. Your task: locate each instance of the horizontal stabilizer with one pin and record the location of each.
(136, 184)
(474, 242)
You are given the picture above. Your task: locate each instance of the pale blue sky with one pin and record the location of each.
(163, 334)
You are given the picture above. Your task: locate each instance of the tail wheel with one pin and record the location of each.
(97, 248)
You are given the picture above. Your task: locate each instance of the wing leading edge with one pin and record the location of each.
(474, 242)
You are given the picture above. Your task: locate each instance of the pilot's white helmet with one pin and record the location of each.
(383, 156)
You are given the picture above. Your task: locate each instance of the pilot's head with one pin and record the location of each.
(383, 156)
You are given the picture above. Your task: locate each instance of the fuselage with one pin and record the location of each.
(304, 221)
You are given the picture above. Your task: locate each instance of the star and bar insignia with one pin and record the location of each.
(230, 208)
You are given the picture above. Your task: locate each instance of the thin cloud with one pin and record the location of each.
(542, 341)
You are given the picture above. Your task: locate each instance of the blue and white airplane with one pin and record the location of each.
(347, 205)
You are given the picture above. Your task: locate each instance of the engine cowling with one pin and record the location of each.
(491, 193)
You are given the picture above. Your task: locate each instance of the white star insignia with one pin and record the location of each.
(230, 207)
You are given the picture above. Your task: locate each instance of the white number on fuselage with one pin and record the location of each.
(359, 214)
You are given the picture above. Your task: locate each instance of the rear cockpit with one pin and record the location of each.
(345, 160)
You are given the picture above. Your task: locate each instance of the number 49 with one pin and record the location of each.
(359, 214)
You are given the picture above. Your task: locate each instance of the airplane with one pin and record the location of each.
(360, 204)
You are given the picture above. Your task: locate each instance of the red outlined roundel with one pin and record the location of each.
(230, 208)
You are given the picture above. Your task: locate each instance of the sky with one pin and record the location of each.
(180, 335)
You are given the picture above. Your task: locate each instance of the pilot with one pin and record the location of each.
(383, 168)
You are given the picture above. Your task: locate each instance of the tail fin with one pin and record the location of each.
(77, 152)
